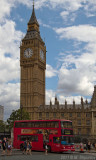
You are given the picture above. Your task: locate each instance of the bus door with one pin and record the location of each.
(56, 144)
(37, 142)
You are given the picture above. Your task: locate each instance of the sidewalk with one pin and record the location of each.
(19, 152)
(91, 151)
(14, 152)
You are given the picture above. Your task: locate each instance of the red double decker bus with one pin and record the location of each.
(57, 134)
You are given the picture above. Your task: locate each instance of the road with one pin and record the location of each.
(17, 155)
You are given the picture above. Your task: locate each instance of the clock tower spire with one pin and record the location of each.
(33, 65)
(33, 23)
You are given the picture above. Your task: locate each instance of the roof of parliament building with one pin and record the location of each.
(83, 106)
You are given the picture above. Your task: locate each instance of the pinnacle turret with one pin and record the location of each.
(93, 99)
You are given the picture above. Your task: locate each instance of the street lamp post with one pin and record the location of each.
(21, 107)
(4, 131)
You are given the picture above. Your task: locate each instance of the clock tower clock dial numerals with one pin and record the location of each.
(28, 53)
(41, 54)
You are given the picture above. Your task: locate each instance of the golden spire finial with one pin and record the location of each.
(33, 2)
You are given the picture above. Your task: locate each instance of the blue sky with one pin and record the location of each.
(68, 28)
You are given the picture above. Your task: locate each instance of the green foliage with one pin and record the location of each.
(2, 126)
(19, 114)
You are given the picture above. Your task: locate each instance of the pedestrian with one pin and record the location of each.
(9, 147)
(4, 145)
(44, 144)
(28, 150)
(81, 147)
(25, 146)
(89, 146)
(86, 146)
(46, 149)
(95, 146)
(31, 147)
(0, 143)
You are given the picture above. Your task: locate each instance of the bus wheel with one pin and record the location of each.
(21, 146)
(49, 149)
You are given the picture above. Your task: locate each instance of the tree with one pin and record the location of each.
(2, 126)
(19, 114)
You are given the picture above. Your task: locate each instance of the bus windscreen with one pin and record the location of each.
(67, 140)
(66, 124)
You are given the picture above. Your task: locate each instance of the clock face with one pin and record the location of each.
(28, 53)
(42, 54)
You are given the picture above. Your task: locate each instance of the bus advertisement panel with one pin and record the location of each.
(57, 134)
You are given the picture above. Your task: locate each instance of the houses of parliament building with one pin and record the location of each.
(32, 89)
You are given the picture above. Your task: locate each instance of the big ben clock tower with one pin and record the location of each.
(33, 65)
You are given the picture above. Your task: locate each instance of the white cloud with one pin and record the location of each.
(9, 97)
(70, 7)
(9, 56)
(90, 8)
(76, 81)
(64, 15)
(68, 16)
(77, 73)
(9, 52)
(28, 3)
(84, 33)
(44, 25)
(69, 99)
(9, 69)
(5, 8)
(50, 95)
(80, 77)
(11, 39)
(50, 72)
(67, 5)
